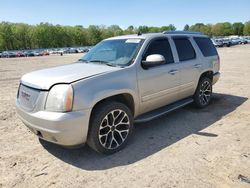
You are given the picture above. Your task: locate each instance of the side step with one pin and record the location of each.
(163, 110)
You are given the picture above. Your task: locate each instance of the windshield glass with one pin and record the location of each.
(117, 52)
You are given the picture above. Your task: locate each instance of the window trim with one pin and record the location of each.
(187, 38)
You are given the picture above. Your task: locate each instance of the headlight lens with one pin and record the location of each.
(60, 98)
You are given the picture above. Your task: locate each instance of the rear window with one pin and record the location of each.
(206, 46)
(184, 48)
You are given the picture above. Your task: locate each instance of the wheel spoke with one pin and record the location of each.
(105, 136)
(125, 117)
(205, 98)
(114, 139)
(110, 119)
(120, 134)
(109, 140)
(206, 87)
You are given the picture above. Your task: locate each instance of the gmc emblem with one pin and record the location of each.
(25, 95)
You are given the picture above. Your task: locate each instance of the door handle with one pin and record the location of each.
(197, 65)
(173, 72)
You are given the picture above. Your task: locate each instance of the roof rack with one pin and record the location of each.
(182, 32)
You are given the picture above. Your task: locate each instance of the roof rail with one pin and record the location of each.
(182, 32)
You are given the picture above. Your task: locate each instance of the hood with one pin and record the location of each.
(45, 78)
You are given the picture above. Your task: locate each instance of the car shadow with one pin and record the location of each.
(153, 136)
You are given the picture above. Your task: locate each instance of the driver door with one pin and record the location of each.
(158, 85)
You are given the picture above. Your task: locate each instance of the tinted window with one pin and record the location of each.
(184, 48)
(162, 47)
(206, 46)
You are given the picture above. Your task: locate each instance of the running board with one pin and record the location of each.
(163, 110)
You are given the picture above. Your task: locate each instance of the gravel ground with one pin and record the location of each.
(187, 148)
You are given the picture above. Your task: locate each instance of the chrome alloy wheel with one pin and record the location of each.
(205, 93)
(114, 129)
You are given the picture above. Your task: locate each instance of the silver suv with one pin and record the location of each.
(122, 80)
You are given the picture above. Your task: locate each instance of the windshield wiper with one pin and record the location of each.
(99, 61)
(103, 62)
(111, 64)
(83, 60)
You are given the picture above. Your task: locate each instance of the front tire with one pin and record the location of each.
(203, 93)
(110, 127)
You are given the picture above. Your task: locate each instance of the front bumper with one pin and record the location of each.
(216, 77)
(67, 129)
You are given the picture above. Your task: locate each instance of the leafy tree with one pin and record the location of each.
(222, 29)
(45, 35)
(94, 34)
(247, 28)
(172, 27)
(200, 27)
(7, 36)
(186, 27)
(143, 29)
(238, 28)
(131, 29)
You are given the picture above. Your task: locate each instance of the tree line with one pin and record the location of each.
(44, 35)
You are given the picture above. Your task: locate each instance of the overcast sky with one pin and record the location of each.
(124, 13)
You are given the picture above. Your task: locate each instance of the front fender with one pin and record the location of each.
(90, 91)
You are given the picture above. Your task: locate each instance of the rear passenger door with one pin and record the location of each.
(189, 65)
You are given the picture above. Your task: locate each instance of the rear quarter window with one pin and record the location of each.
(206, 46)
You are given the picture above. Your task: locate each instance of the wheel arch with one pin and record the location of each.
(125, 98)
(208, 74)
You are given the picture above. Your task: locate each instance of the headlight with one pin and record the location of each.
(60, 98)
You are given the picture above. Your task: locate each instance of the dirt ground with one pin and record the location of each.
(187, 148)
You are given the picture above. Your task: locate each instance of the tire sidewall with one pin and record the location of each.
(95, 123)
(196, 96)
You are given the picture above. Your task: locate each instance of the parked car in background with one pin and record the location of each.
(9, 54)
(227, 42)
(29, 53)
(243, 40)
(5, 54)
(72, 50)
(44, 53)
(217, 42)
(84, 50)
(20, 54)
(235, 41)
(36, 53)
(247, 39)
(121, 80)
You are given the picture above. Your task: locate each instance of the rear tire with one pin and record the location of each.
(203, 93)
(110, 127)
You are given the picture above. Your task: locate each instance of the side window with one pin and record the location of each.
(162, 47)
(206, 46)
(184, 48)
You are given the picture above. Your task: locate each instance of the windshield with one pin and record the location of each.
(117, 52)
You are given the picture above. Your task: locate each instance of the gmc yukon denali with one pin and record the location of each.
(121, 80)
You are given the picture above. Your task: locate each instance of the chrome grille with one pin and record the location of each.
(27, 97)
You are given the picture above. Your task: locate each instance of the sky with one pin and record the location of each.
(124, 12)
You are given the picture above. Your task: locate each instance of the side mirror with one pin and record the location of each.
(153, 60)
